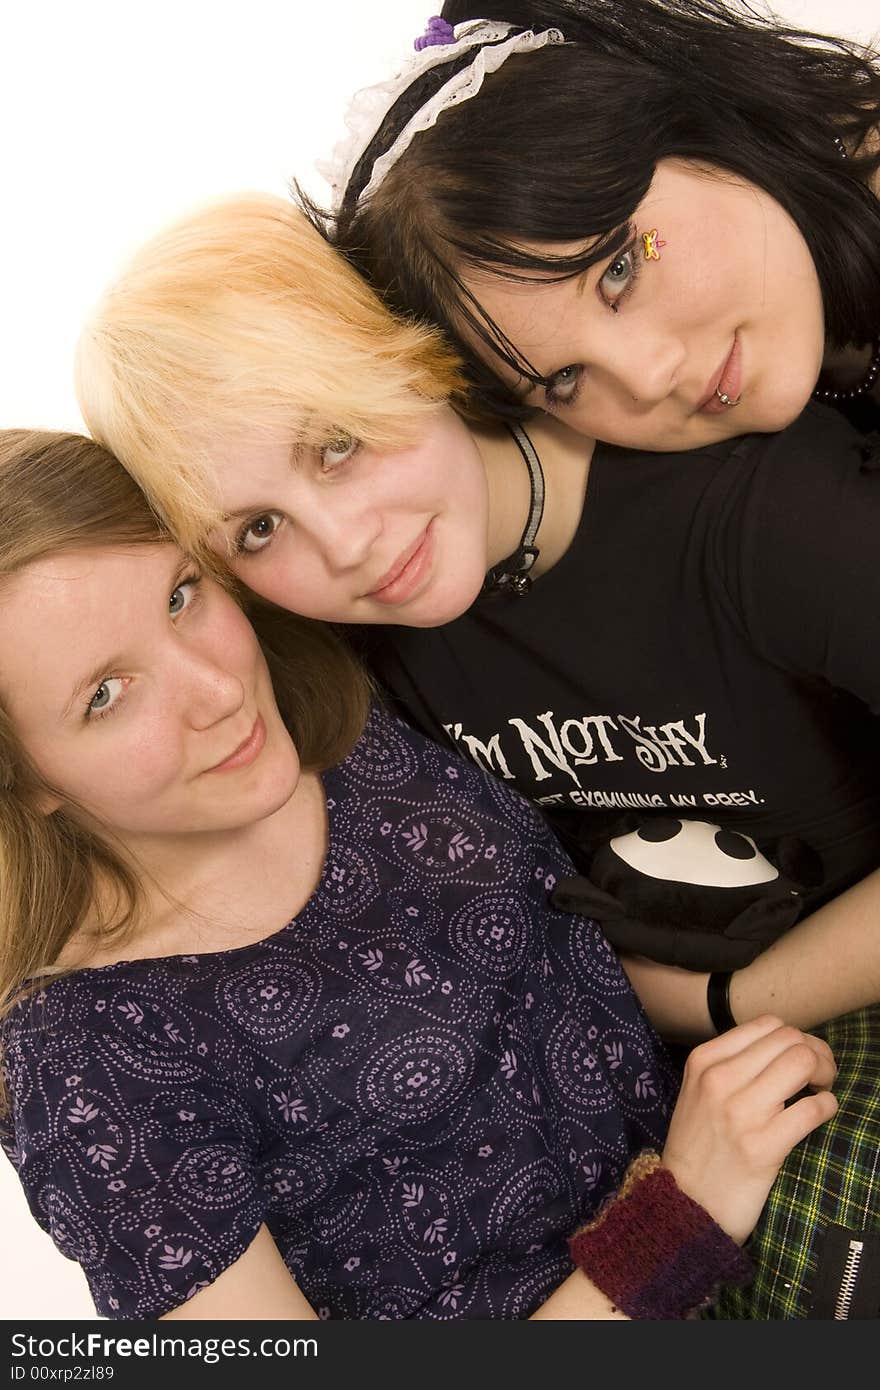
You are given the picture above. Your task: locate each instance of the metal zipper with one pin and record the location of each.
(846, 1284)
(843, 1302)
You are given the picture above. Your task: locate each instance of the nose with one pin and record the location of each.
(213, 693)
(643, 363)
(345, 530)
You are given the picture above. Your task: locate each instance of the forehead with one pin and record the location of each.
(250, 468)
(58, 614)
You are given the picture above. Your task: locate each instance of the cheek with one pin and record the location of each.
(230, 641)
(282, 580)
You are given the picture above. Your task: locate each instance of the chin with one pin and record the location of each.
(447, 603)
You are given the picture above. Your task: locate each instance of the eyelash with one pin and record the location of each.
(91, 715)
(552, 397)
(635, 272)
(240, 538)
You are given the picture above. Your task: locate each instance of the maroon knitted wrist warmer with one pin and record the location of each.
(653, 1251)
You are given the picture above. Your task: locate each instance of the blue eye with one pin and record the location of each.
(106, 696)
(257, 533)
(182, 596)
(619, 275)
(564, 386)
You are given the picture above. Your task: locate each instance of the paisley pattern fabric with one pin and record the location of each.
(422, 1084)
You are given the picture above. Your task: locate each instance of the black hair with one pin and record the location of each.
(561, 145)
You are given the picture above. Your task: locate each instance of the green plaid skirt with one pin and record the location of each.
(832, 1178)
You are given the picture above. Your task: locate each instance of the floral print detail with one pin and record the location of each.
(592, 1173)
(101, 1154)
(434, 1231)
(82, 1112)
(292, 1109)
(614, 1053)
(459, 845)
(341, 1030)
(416, 973)
(175, 1259)
(449, 1297)
(416, 838)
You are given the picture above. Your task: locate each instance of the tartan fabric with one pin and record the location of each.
(833, 1176)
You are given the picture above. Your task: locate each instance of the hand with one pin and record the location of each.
(731, 1129)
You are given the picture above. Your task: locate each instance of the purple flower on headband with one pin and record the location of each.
(437, 32)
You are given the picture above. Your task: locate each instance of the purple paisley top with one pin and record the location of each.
(421, 1084)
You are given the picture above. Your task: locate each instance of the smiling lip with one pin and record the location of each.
(246, 752)
(409, 569)
(728, 381)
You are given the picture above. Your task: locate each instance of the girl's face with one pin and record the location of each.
(140, 694)
(350, 535)
(723, 294)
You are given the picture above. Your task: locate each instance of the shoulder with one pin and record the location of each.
(820, 444)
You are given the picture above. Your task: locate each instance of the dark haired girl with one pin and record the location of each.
(663, 229)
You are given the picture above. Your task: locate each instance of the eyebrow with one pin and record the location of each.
(99, 671)
(244, 512)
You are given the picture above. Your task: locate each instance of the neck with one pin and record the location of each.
(565, 460)
(211, 892)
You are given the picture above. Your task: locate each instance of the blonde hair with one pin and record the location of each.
(238, 320)
(58, 493)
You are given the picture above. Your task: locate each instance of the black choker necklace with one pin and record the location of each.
(853, 392)
(512, 575)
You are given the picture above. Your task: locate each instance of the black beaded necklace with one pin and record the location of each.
(861, 388)
(852, 393)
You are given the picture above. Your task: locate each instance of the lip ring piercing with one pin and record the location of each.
(725, 399)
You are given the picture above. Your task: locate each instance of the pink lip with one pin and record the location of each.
(246, 752)
(409, 569)
(728, 380)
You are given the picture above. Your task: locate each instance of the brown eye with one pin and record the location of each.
(339, 451)
(256, 534)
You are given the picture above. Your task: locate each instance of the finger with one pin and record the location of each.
(815, 1059)
(790, 1064)
(732, 1043)
(797, 1121)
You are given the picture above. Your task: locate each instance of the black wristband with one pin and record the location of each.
(718, 1000)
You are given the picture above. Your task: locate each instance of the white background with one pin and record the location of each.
(115, 117)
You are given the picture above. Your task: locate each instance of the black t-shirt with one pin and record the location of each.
(708, 645)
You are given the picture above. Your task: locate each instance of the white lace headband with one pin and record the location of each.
(371, 105)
